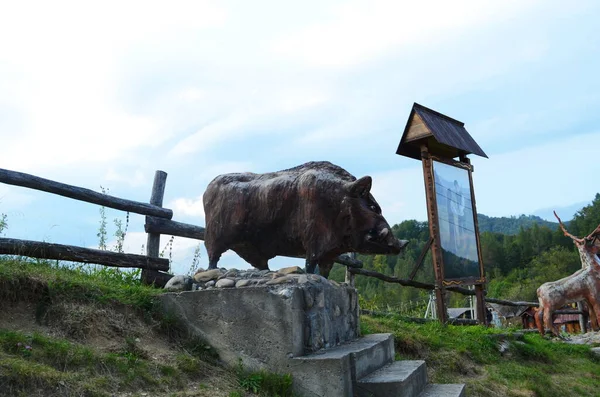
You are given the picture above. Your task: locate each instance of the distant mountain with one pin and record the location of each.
(511, 225)
(567, 212)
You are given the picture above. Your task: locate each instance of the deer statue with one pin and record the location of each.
(583, 285)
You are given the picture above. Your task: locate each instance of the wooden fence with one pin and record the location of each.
(351, 272)
(158, 221)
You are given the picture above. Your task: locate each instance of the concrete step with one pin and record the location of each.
(449, 390)
(333, 371)
(406, 378)
(373, 352)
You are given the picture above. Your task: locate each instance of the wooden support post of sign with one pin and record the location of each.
(432, 216)
(349, 275)
(479, 288)
(153, 242)
(421, 259)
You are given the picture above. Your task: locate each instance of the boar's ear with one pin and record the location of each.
(361, 187)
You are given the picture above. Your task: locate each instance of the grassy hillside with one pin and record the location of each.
(94, 332)
(88, 331)
(529, 365)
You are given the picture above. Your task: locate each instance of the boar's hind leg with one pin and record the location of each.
(213, 259)
(214, 253)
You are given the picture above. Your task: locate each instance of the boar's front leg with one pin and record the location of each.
(311, 266)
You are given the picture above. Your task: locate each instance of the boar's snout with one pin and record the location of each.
(386, 240)
(398, 245)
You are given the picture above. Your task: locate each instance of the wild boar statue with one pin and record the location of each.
(316, 210)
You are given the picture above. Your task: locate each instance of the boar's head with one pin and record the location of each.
(367, 231)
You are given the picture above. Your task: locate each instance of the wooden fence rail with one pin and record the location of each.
(417, 284)
(36, 249)
(82, 194)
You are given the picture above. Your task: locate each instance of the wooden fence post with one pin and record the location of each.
(153, 242)
(350, 276)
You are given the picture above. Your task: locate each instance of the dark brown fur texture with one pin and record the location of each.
(316, 210)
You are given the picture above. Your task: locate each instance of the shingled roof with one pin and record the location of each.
(441, 132)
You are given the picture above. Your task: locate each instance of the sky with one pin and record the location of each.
(104, 95)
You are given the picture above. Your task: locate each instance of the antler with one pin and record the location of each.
(574, 238)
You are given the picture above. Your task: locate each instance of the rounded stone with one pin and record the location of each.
(291, 270)
(231, 273)
(243, 283)
(212, 274)
(280, 280)
(225, 283)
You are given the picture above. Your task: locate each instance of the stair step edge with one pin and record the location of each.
(397, 371)
(355, 347)
(444, 390)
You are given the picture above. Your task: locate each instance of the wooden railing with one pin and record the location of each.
(350, 272)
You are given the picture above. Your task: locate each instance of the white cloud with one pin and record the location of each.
(400, 194)
(188, 207)
(12, 198)
(555, 174)
(60, 66)
(135, 179)
(360, 30)
(259, 115)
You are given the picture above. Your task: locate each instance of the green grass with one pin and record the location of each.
(48, 280)
(34, 361)
(532, 366)
(264, 383)
(36, 364)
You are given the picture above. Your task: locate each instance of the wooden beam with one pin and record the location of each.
(453, 321)
(421, 259)
(151, 277)
(511, 303)
(391, 279)
(165, 226)
(36, 249)
(434, 234)
(81, 194)
(349, 262)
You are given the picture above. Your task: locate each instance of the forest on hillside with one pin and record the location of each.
(517, 261)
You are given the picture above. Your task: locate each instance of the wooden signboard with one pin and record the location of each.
(437, 140)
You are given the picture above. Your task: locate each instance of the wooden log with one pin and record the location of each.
(36, 249)
(151, 277)
(156, 199)
(511, 303)
(453, 321)
(155, 278)
(165, 226)
(349, 262)
(421, 259)
(349, 277)
(81, 194)
(391, 279)
(567, 311)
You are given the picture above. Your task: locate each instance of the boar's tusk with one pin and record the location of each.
(384, 232)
